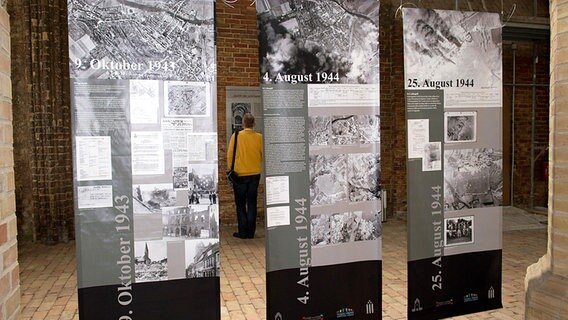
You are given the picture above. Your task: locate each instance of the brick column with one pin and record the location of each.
(546, 282)
(9, 270)
(42, 120)
(237, 65)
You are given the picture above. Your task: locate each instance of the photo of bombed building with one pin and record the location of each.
(189, 222)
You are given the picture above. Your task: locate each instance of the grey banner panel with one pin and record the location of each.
(145, 155)
(487, 231)
(351, 252)
(425, 188)
(453, 79)
(489, 133)
(286, 154)
(320, 93)
(100, 110)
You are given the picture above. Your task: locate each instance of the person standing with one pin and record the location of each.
(248, 166)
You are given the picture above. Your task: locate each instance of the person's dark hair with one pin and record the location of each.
(248, 120)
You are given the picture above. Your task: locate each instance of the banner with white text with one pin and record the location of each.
(320, 93)
(453, 81)
(143, 109)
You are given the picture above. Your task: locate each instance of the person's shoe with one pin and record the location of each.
(237, 235)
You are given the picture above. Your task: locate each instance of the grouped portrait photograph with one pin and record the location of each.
(458, 231)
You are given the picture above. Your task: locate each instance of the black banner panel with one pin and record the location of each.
(453, 78)
(320, 95)
(328, 282)
(145, 152)
(154, 300)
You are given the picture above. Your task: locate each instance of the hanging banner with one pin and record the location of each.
(145, 148)
(320, 89)
(453, 78)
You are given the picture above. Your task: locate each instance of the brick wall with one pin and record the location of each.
(44, 193)
(237, 65)
(237, 52)
(41, 118)
(9, 270)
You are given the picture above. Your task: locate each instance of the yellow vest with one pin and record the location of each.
(248, 161)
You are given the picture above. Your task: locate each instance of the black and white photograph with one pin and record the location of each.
(363, 176)
(355, 129)
(186, 99)
(473, 178)
(339, 228)
(150, 261)
(344, 130)
(319, 133)
(369, 128)
(460, 126)
(202, 146)
(450, 45)
(202, 183)
(191, 222)
(459, 231)
(144, 101)
(128, 39)
(432, 157)
(202, 258)
(154, 197)
(336, 39)
(180, 178)
(238, 110)
(328, 179)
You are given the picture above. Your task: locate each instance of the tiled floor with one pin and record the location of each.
(48, 276)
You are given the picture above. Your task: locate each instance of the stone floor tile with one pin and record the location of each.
(48, 274)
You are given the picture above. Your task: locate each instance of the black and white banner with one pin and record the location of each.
(145, 152)
(453, 78)
(319, 75)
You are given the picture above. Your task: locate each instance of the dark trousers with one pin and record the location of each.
(246, 190)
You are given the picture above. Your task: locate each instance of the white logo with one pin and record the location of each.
(370, 307)
(417, 306)
(491, 293)
(278, 316)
